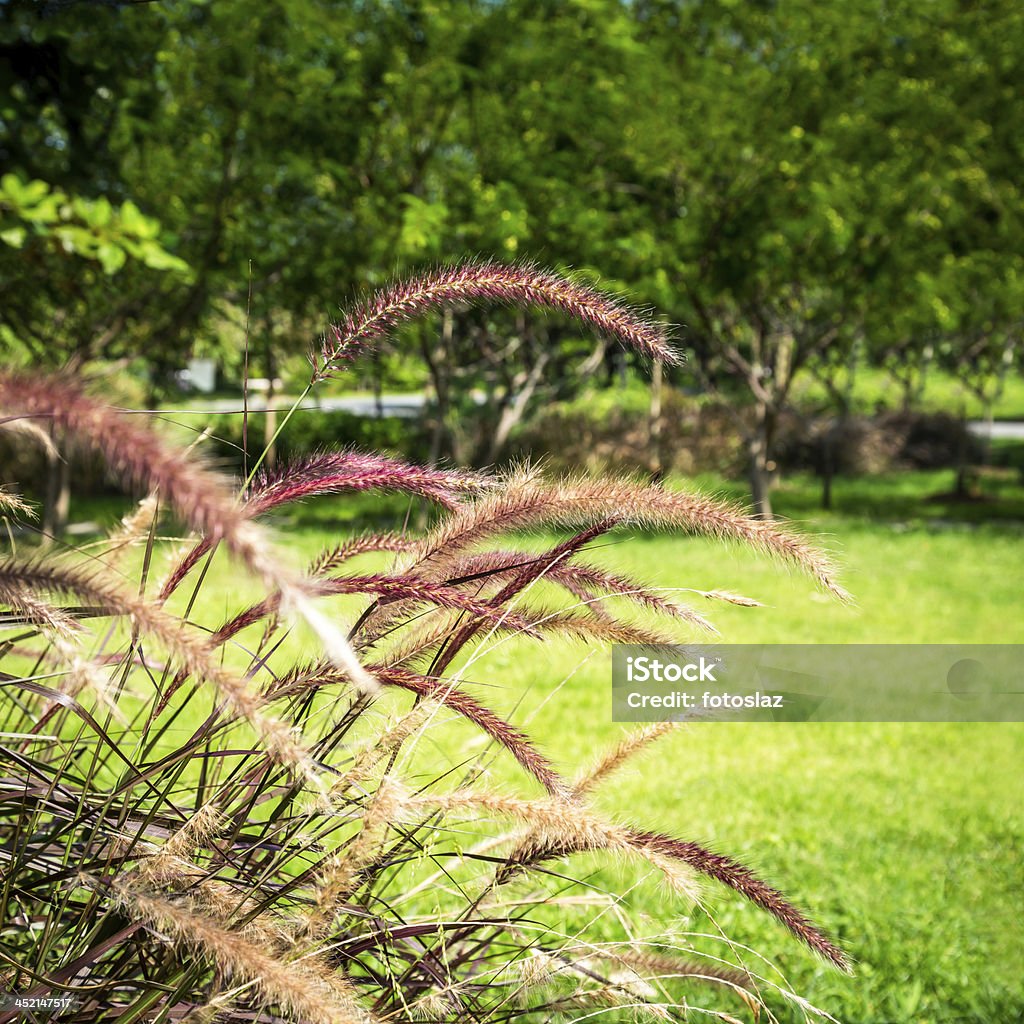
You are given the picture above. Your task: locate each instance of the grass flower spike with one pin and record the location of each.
(486, 283)
(206, 816)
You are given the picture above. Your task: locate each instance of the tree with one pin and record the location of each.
(829, 174)
(788, 181)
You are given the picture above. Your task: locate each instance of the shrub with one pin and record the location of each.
(697, 436)
(312, 430)
(209, 819)
(878, 444)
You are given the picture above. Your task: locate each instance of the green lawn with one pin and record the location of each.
(905, 841)
(873, 390)
(942, 392)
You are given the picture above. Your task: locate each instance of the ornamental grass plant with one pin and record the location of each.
(243, 819)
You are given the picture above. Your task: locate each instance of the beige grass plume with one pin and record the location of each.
(280, 740)
(199, 496)
(303, 989)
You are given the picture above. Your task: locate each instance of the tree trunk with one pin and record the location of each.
(963, 487)
(437, 365)
(270, 417)
(833, 437)
(513, 413)
(907, 401)
(269, 428)
(760, 464)
(655, 423)
(58, 489)
(843, 399)
(828, 468)
(986, 441)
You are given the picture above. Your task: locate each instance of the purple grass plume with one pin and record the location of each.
(215, 817)
(487, 283)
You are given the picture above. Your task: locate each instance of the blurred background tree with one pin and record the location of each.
(806, 188)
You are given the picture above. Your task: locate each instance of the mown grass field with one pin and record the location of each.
(904, 840)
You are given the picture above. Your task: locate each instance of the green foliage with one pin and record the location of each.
(310, 430)
(233, 825)
(34, 213)
(909, 836)
(786, 181)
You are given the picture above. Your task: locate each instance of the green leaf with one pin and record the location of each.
(46, 211)
(99, 213)
(112, 257)
(14, 237)
(157, 258)
(135, 222)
